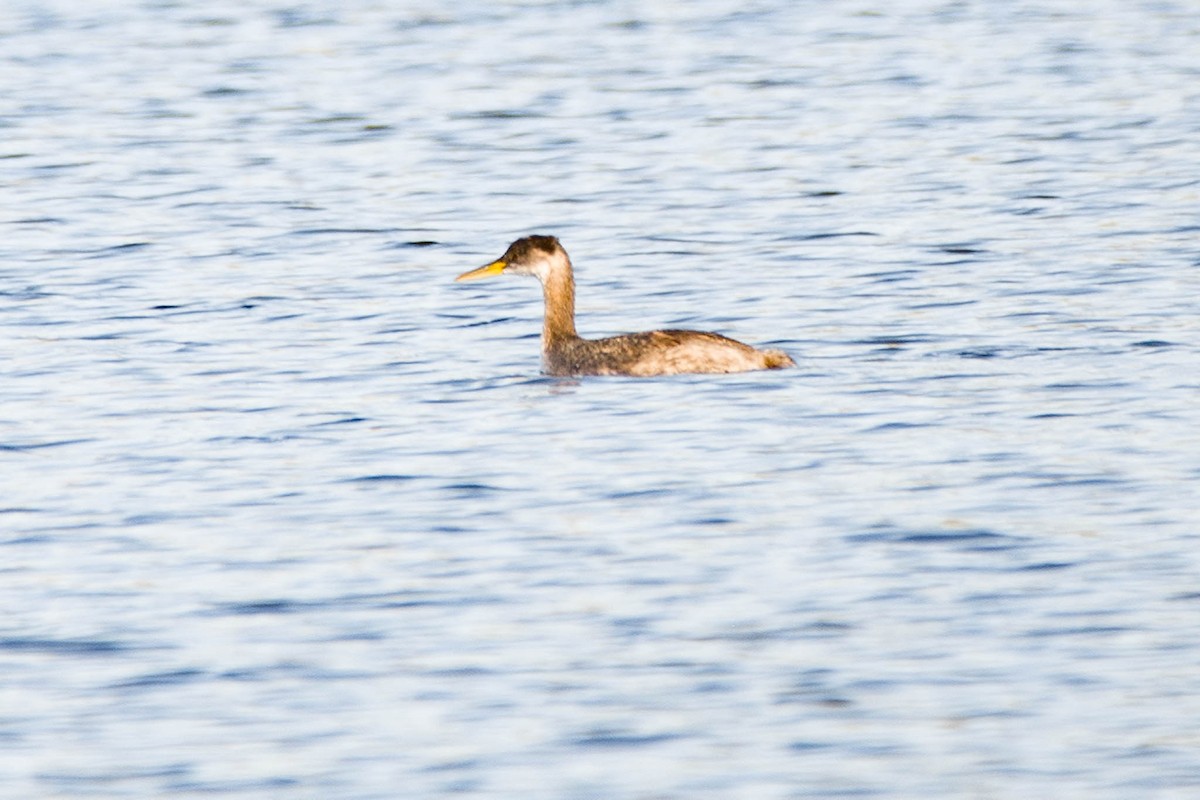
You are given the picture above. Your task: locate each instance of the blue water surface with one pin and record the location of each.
(288, 513)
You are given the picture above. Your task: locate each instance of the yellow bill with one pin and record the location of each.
(486, 271)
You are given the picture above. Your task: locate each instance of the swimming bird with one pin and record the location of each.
(564, 352)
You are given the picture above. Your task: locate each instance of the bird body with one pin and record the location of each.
(662, 352)
(665, 352)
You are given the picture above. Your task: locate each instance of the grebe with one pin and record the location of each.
(640, 354)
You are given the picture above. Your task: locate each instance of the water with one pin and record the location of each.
(286, 513)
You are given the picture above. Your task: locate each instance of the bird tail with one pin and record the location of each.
(777, 359)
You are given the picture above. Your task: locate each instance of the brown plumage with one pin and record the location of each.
(564, 352)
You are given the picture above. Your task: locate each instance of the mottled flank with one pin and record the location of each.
(668, 352)
(564, 352)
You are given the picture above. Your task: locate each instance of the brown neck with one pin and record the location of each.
(558, 323)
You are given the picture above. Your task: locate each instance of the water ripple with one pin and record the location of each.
(288, 512)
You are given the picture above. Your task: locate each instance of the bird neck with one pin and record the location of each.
(558, 322)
